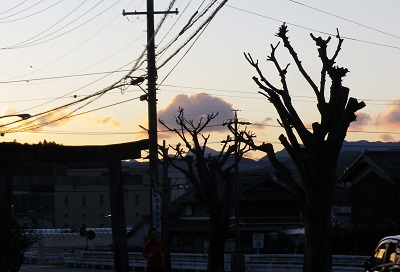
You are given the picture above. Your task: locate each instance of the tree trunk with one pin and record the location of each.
(216, 249)
(316, 212)
(318, 231)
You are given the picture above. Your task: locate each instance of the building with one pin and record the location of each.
(72, 195)
(264, 207)
(373, 181)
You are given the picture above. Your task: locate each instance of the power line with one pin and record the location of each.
(14, 7)
(41, 40)
(60, 77)
(26, 41)
(167, 131)
(345, 19)
(32, 6)
(311, 29)
(253, 95)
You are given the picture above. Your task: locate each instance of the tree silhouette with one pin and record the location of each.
(315, 152)
(15, 239)
(212, 177)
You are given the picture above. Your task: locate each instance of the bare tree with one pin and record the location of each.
(315, 152)
(15, 239)
(212, 177)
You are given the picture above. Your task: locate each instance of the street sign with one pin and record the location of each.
(258, 240)
(156, 210)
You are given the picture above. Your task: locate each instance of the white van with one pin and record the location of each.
(386, 256)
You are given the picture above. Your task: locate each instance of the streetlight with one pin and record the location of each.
(23, 116)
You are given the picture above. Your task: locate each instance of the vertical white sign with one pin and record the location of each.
(258, 240)
(156, 210)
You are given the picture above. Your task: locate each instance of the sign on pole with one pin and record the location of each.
(258, 240)
(156, 210)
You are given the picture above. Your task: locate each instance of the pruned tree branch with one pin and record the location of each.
(282, 34)
(287, 113)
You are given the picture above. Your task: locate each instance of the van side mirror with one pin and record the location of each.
(367, 265)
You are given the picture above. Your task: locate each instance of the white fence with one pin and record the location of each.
(198, 261)
(294, 263)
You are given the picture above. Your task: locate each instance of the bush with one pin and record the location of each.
(15, 239)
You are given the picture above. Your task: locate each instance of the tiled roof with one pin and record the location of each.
(388, 161)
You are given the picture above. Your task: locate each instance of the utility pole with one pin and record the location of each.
(151, 95)
(166, 204)
(238, 262)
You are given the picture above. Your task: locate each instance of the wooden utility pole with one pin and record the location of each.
(238, 262)
(118, 225)
(165, 208)
(151, 95)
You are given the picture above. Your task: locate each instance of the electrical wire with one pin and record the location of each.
(41, 40)
(167, 131)
(14, 7)
(28, 8)
(198, 30)
(250, 95)
(60, 77)
(345, 19)
(44, 31)
(193, 19)
(121, 83)
(181, 13)
(184, 55)
(37, 126)
(313, 30)
(189, 49)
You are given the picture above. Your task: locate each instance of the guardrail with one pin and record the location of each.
(198, 261)
(189, 261)
(294, 262)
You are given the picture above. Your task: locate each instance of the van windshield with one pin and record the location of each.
(386, 252)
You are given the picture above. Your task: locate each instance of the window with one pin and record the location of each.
(83, 200)
(101, 203)
(66, 201)
(384, 253)
(66, 215)
(83, 215)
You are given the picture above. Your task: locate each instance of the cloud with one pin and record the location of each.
(390, 119)
(386, 138)
(260, 127)
(197, 106)
(59, 116)
(107, 120)
(363, 119)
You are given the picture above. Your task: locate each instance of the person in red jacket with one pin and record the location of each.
(154, 251)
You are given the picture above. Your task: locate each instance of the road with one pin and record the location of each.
(57, 268)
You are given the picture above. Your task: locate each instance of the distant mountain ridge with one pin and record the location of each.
(359, 146)
(349, 153)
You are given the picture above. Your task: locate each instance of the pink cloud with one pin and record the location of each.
(390, 119)
(387, 138)
(260, 126)
(363, 119)
(197, 106)
(107, 120)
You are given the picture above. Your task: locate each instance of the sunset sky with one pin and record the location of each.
(61, 58)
